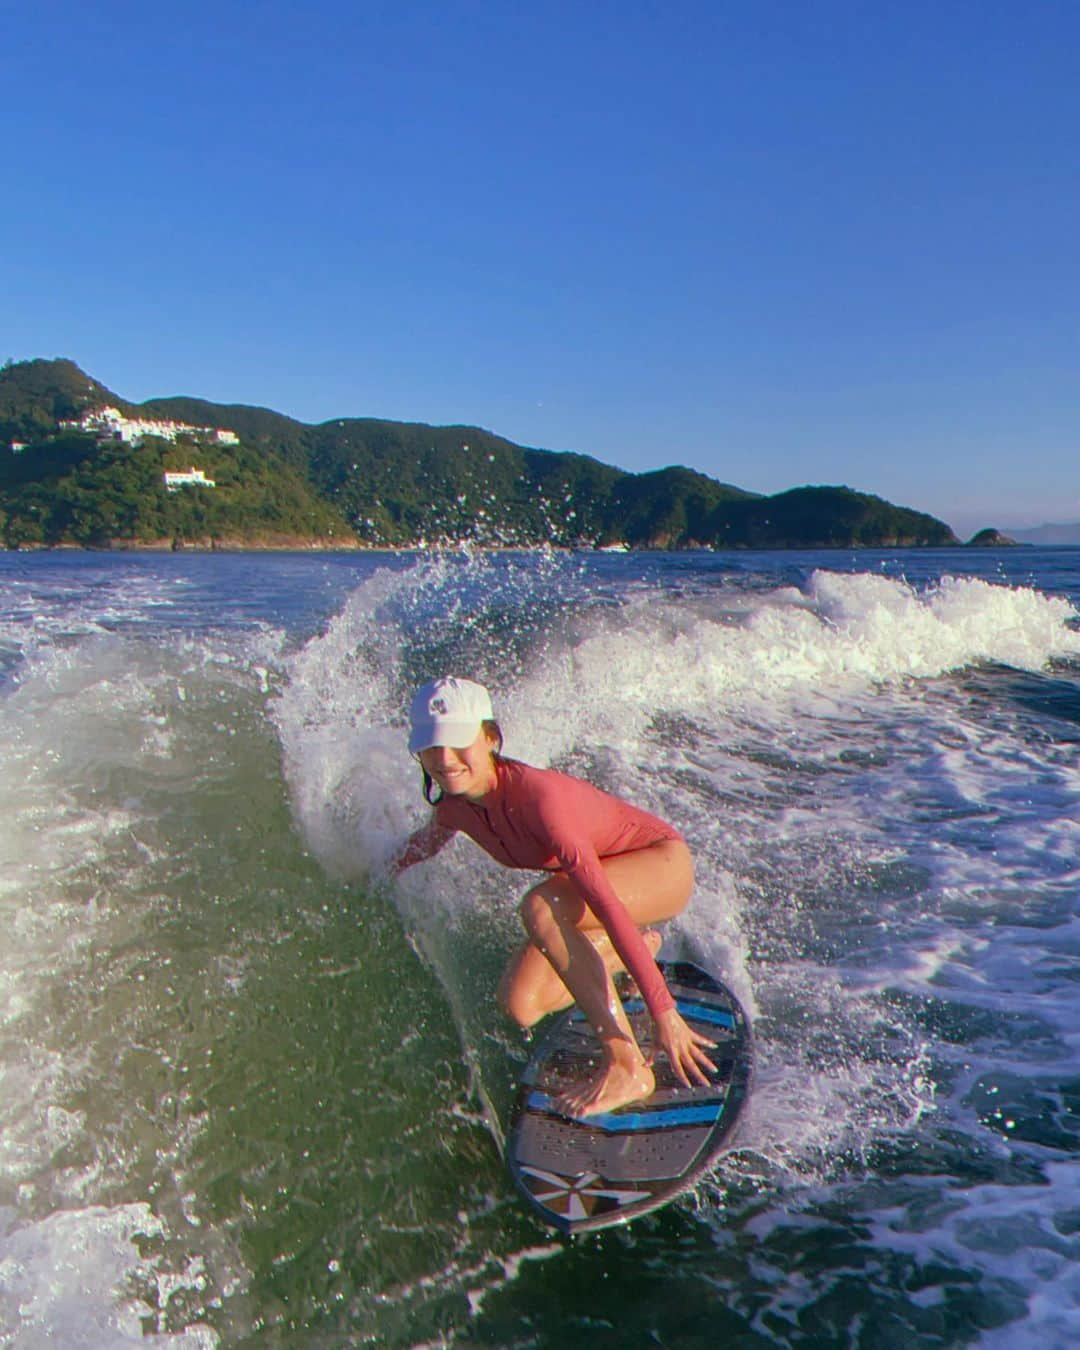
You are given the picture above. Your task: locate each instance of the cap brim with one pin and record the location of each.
(458, 735)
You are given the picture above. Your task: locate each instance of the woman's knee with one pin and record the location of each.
(537, 910)
(507, 998)
(518, 1001)
(684, 867)
(671, 878)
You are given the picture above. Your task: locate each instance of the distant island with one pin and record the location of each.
(82, 467)
(991, 538)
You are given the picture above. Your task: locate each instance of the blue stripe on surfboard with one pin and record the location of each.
(628, 1122)
(692, 1011)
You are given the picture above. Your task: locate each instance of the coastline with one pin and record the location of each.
(261, 544)
(295, 544)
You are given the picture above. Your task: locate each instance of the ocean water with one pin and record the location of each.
(251, 1093)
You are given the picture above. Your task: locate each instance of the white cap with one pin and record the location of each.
(448, 711)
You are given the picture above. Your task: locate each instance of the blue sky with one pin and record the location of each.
(781, 243)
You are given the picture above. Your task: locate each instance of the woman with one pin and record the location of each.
(612, 869)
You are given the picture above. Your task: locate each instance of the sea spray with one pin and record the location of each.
(106, 737)
(651, 697)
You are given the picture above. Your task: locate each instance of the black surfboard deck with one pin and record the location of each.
(592, 1172)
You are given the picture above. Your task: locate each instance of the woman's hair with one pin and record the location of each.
(491, 728)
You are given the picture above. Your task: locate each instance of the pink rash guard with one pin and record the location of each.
(547, 821)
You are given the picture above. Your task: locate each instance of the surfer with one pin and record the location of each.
(612, 870)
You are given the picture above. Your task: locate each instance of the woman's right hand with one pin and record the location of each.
(422, 844)
(685, 1049)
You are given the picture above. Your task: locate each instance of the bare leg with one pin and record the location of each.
(654, 884)
(530, 989)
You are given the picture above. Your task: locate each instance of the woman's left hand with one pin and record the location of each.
(684, 1048)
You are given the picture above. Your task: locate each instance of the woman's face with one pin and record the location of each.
(467, 772)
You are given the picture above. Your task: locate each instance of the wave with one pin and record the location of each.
(614, 678)
(120, 753)
(879, 784)
(723, 711)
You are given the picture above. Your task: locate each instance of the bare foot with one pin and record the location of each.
(617, 1084)
(613, 962)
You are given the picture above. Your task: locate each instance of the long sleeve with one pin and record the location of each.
(422, 844)
(578, 857)
(543, 819)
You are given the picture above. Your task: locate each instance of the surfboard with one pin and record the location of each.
(584, 1173)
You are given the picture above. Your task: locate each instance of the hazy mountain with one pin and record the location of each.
(1048, 534)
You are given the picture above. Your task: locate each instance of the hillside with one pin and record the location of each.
(66, 486)
(35, 396)
(372, 482)
(828, 517)
(406, 482)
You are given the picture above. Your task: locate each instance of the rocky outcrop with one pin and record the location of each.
(991, 538)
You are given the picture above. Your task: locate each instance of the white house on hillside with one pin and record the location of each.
(193, 478)
(111, 423)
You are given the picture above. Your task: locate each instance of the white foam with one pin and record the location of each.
(90, 728)
(1019, 1237)
(68, 1278)
(599, 676)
